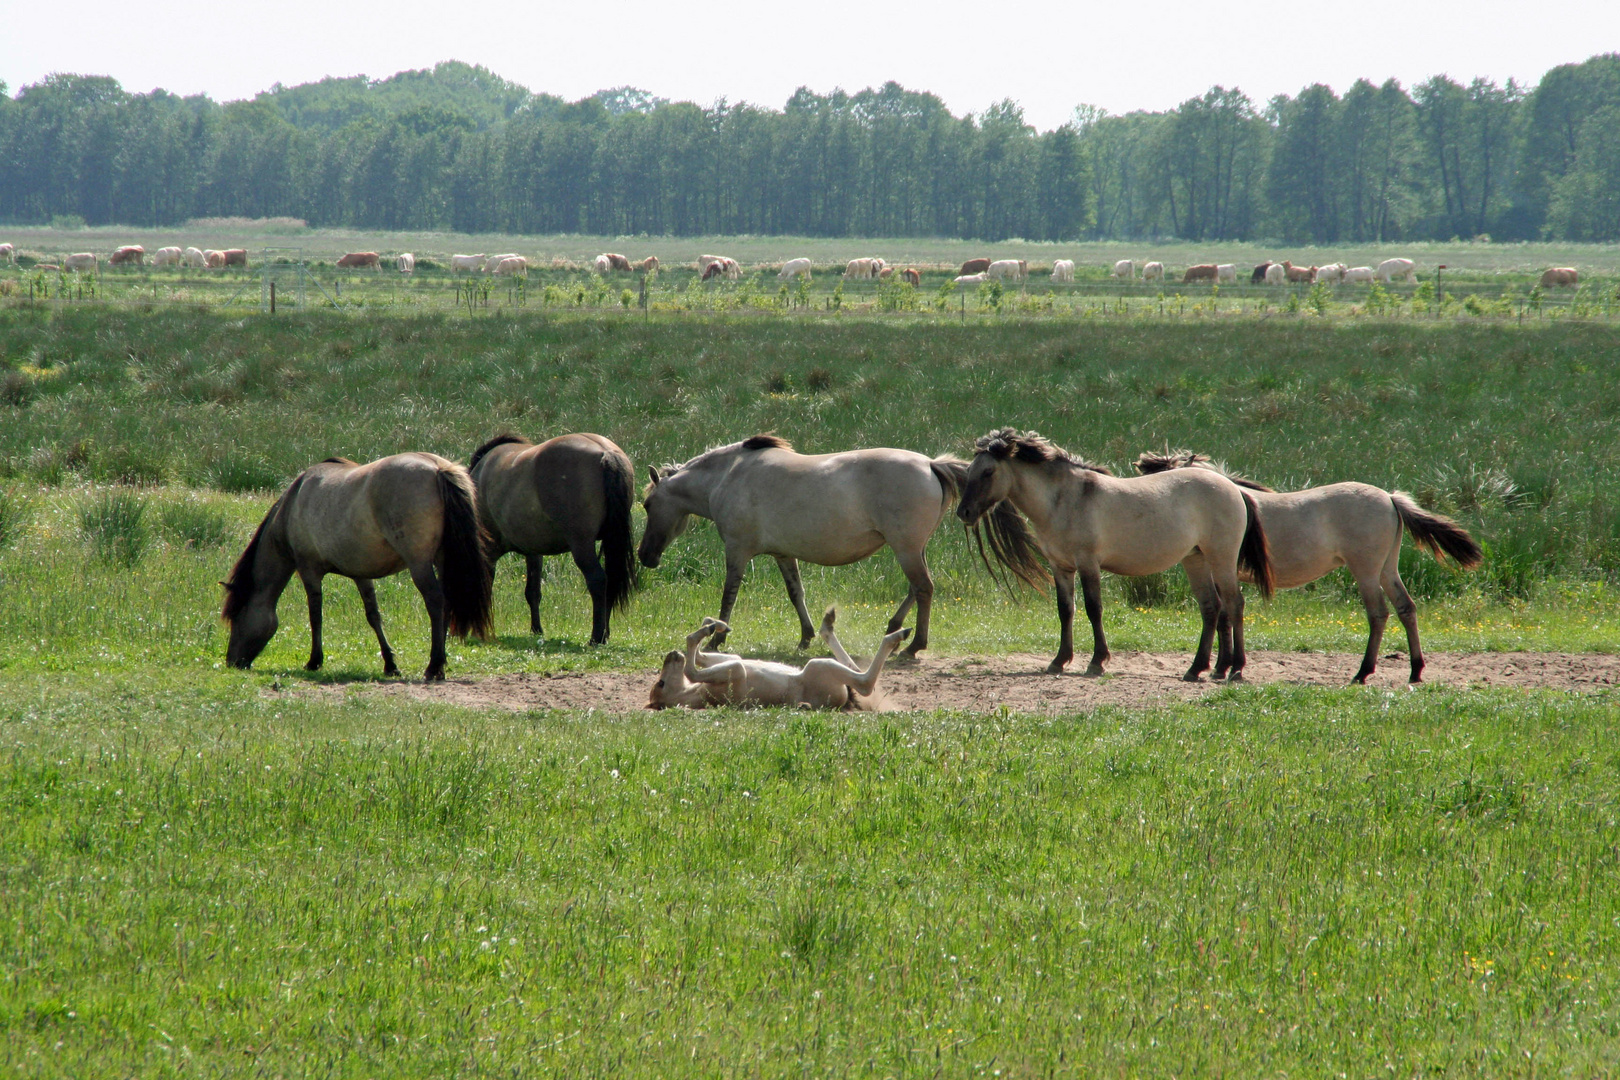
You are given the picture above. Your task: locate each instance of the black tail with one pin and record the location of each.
(1254, 554)
(1436, 533)
(952, 475)
(617, 536)
(466, 563)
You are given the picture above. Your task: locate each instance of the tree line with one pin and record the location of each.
(456, 147)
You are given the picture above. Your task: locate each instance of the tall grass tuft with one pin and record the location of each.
(240, 473)
(816, 931)
(13, 518)
(193, 525)
(115, 525)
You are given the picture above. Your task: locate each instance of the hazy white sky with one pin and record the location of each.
(1047, 56)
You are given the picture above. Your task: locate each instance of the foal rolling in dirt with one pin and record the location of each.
(699, 679)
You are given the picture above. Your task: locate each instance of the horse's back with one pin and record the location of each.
(1158, 519)
(535, 497)
(369, 520)
(1317, 529)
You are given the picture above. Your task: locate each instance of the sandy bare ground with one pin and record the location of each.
(1019, 682)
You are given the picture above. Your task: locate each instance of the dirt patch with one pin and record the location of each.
(1019, 681)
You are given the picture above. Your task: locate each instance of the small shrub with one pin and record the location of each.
(191, 524)
(115, 525)
(127, 465)
(13, 518)
(820, 380)
(16, 389)
(241, 473)
(778, 382)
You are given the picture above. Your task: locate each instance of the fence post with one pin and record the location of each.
(272, 298)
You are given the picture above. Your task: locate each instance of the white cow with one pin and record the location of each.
(1063, 270)
(1331, 274)
(973, 279)
(512, 264)
(1009, 269)
(1226, 272)
(1390, 269)
(7, 252)
(83, 260)
(1276, 274)
(466, 262)
(1360, 273)
(1126, 269)
(166, 256)
(862, 268)
(1153, 271)
(602, 264)
(406, 263)
(494, 261)
(794, 268)
(194, 257)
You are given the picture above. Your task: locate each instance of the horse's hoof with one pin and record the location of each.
(804, 642)
(1236, 676)
(1056, 667)
(1193, 676)
(430, 675)
(314, 664)
(391, 669)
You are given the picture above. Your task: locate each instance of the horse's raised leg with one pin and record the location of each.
(1216, 627)
(427, 583)
(1372, 598)
(795, 588)
(368, 597)
(595, 581)
(535, 573)
(914, 564)
(312, 592)
(1405, 610)
(1091, 596)
(736, 568)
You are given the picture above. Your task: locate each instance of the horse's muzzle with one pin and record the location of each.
(968, 515)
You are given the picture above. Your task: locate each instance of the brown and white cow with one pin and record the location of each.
(648, 264)
(359, 260)
(615, 261)
(911, 275)
(974, 266)
(1300, 274)
(129, 253)
(213, 259)
(1560, 275)
(1201, 272)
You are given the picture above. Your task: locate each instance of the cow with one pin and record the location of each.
(1126, 269)
(1560, 275)
(1360, 273)
(795, 268)
(972, 279)
(1226, 272)
(494, 261)
(1259, 274)
(1276, 274)
(601, 264)
(459, 263)
(911, 276)
(703, 261)
(129, 253)
(214, 260)
(513, 265)
(861, 268)
(975, 266)
(886, 273)
(647, 265)
(7, 253)
(1153, 271)
(1201, 272)
(406, 263)
(359, 260)
(615, 261)
(236, 257)
(715, 269)
(194, 257)
(1299, 273)
(83, 260)
(50, 267)
(1008, 269)
(1390, 269)
(1331, 274)
(166, 256)
(1063, 270)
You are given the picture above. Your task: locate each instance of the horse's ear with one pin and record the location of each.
(652, 470)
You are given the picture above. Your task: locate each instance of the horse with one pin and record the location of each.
(827, 509)
(1087, 520)
(1350, 524)
(697, 679)
(415, 512)
(562, 496)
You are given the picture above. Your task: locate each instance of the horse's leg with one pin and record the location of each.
(1231, 600)
(795, 587)
(736, 567)
(1202, 583)
(1372, 598)
(915, 566)
(1405, 610)
(1091, 595)
(368, 597)
(312, 592)
(534, 575)
(427, 583)
(596, 581)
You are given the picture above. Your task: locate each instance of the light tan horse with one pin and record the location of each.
(698, 680)
(564, 495)
(1320, 529)
(413, 512)
(828, 509)
(1087, 520)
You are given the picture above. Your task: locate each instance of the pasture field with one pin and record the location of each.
(283, 873)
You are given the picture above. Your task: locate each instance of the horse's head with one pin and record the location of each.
(667, 518)
(253, 623)
(667, 691)
(989, 481)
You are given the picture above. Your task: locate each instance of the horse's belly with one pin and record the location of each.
(826, 550)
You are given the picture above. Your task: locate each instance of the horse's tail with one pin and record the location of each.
(951, 472)
(1012, 543)
(617, 536)
(1436, 533)
(1254, 554)
(464, 546)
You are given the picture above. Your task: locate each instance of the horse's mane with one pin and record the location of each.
(1184, 459)
(499, 440)
(767, 441)
(239, 584)
(1033, 447)
(339, 461)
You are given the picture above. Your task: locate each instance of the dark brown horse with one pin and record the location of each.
(413, 512)
(562, 496)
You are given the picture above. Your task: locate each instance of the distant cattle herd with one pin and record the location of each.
(972, 272)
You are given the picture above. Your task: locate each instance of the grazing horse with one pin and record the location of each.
(697, 680)
(413, 512)
(1087, 520)
(563, 495)
(1355, 525)
(827, 509)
